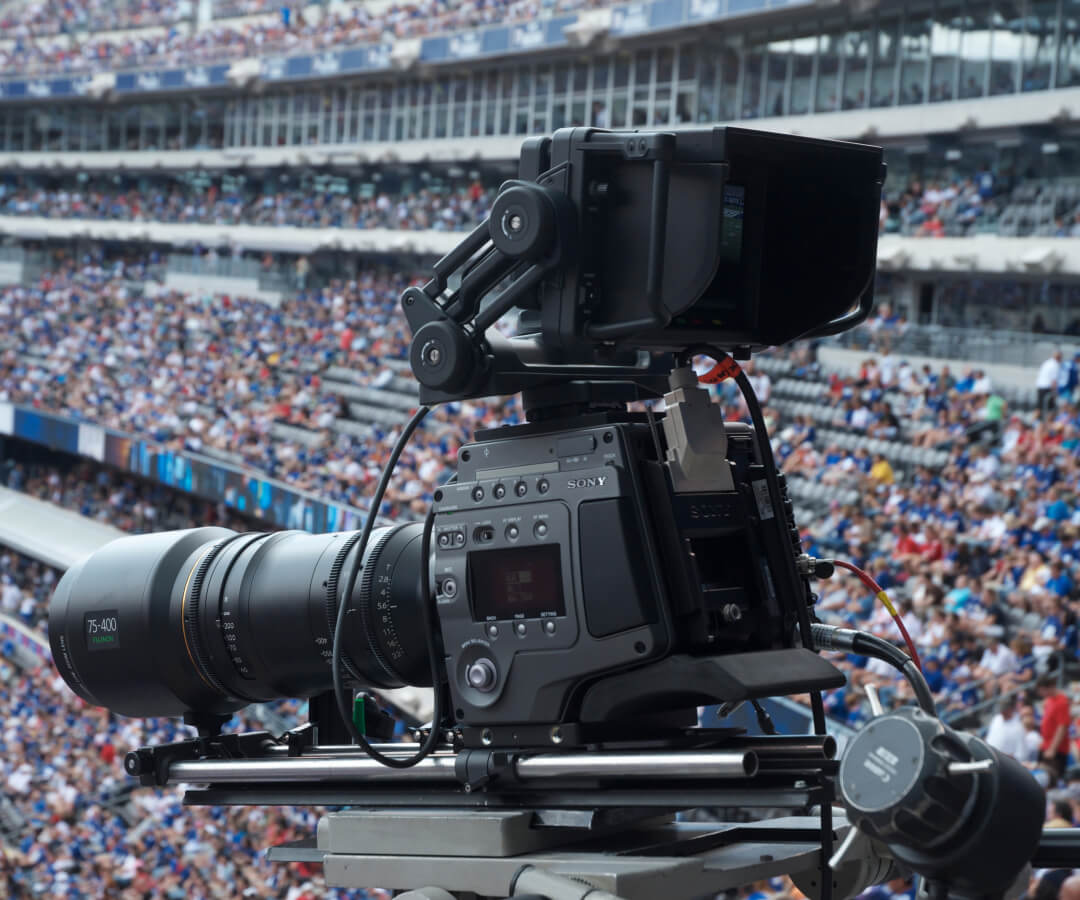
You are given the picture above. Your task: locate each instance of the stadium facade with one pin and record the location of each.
(951, 89)
(660, 64)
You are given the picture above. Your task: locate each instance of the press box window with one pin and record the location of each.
(516, 583)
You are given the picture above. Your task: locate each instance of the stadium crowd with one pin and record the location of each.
(69, 824)
(40, 18)
(453, 210)
(981, 553)
(217, 373)
(938, 206)
(960, 205)
(984, 549)
(75, 833)
(38, 45)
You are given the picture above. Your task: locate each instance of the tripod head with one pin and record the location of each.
(619, 249)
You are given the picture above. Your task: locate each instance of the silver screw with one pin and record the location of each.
(556, 735)
(434, 356)
(515, 222)
(486, 737)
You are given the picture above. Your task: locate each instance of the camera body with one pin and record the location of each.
(581, 595)
(596, 574)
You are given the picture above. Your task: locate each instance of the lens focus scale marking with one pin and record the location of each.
(372, 603)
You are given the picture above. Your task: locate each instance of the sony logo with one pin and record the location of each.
(705, 511)
(592, 481)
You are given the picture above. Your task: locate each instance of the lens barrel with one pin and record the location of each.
(208, 620)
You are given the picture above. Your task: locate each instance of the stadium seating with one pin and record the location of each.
(208, 213)
(178, 201)
(90, 39)
(1032, 207)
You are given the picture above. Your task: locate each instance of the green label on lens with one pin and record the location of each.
(102, 629)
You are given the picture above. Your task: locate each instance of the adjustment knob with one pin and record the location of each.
(442, 357)
(481, 674)
(522, 222)
(896, 784)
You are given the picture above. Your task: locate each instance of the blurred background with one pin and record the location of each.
(208, 211)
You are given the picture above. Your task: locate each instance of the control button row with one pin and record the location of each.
(521, 489)
(448, 539)
(521, 628)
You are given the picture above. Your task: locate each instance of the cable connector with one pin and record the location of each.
(829, 637)
(812, 567)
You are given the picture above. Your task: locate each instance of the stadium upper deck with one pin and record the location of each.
(889, 70)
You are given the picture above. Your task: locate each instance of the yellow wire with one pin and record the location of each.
(884, 598)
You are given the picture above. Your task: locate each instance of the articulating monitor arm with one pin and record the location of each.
(526, 237)
(530, 236)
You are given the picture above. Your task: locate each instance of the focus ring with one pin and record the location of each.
(192, 606)
(224, 582)
(367, 580)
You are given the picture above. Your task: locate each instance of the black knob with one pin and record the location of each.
(522, 221)
(442, 357)
(896, 784)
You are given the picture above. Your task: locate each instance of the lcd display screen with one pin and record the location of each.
(516, 583)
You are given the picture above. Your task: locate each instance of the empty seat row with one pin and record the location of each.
(800, 388)
(296, 433)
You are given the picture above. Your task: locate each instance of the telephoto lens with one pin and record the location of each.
(208, 620)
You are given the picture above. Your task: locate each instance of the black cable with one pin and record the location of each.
(764, 720)
(344, 707)
(817, 705)
(866, 644)
(650, 417)
(848, 640)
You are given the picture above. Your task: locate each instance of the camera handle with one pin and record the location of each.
(531, 234)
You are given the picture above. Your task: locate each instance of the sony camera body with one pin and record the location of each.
(587, 591)
(596, 572)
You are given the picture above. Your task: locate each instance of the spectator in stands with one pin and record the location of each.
(1055, 726)
(1006, 732)
(881, 471)
(1046, 381)
(1068, 378)
(1062, 815)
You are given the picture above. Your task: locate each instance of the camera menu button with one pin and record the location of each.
(540, 529)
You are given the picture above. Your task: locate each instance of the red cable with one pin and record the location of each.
(879, 592)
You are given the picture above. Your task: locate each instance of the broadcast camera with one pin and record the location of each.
(586, 582)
